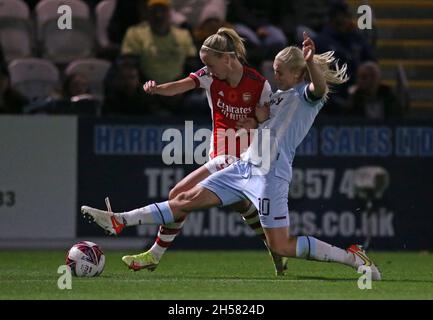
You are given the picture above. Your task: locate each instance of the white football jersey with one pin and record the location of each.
(292, 114)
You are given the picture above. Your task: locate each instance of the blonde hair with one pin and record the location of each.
(226, 40)
(293, 57)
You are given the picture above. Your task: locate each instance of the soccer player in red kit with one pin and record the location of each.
(233, 91)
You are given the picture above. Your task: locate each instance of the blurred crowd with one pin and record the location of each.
(138, 40)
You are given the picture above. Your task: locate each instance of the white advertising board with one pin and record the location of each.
(38, 177)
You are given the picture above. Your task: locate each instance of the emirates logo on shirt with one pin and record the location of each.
(233, 113)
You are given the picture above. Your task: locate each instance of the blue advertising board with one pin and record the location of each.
(122, 159)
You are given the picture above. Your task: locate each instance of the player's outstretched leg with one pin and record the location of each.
(167, 233)
(113, 223)
(310, 248)
(166, 212)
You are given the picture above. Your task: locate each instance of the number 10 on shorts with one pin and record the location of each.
(264, 206)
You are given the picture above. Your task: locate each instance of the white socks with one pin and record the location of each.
(312, 248)
(156, 213)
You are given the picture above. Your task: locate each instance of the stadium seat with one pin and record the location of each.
(63, 46)
(104, 12)
(15, 29)
(95, 70)
(34, 78)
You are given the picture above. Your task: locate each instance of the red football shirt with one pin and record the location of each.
(228, 105)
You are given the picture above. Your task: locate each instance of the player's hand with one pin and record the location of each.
(150, 87)
(245, 125)
(262, 112)
(308, 48)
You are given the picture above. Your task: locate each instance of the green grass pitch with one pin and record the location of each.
(184, 275)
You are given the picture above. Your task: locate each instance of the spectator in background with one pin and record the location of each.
(163, 49)
(341, 35)
(73, 98)
(125, 15)
(252, 20)
(371, 99)
(308, 15)
(124, 94)
(77, 98)
(11, 101)
(75, 84)
(183, 13)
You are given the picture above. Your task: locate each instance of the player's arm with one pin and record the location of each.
(318, 86)
(262, 112)
(169, 88)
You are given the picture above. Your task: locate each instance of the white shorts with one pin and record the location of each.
(220, 162)
(268, 193)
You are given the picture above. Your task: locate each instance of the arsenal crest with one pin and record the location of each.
(246, 97)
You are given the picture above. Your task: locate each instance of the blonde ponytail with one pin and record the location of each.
(294, 59)
(226, 40)
(324, 61)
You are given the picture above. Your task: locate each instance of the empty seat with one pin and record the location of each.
(15, 29)
(64, 45)
(95, 70)
(35, 78)
(104, 12)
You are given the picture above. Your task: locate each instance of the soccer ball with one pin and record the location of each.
(85, 259)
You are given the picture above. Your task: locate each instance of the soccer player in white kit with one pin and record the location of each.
(265, 180)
